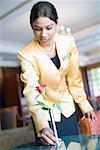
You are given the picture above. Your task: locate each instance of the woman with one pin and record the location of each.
(52, 60)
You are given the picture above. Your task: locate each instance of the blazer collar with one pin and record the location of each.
(62, 51)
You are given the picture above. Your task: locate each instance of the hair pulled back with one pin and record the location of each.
(43, 9)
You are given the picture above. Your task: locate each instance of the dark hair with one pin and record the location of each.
(43, 9)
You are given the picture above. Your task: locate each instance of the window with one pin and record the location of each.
(91, 78)
(94, 81)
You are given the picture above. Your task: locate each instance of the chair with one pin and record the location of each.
(89, 127)
(8, 117)
(24, 117)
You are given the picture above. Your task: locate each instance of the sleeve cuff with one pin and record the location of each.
(85, 106)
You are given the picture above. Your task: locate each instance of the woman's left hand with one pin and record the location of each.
(91, 115)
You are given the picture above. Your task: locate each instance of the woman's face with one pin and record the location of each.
(44, 29)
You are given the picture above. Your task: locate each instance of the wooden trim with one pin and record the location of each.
(15, 113)
(92, 65)
(85, 80)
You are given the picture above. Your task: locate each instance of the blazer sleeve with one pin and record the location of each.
(74, 79)
(30, 77)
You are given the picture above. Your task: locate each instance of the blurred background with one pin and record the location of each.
(81, 18)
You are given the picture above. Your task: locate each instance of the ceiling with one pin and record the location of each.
(81, 16)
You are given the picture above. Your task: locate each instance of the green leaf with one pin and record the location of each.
(37, 97)
(54, 105)
(59, 107)
(45, 108)
(40, 103)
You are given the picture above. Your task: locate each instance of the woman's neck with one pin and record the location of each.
(49, 44)
(49, 49)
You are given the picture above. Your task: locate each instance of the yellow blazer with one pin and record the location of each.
(64, 83)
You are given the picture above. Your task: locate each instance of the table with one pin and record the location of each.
(87, 142)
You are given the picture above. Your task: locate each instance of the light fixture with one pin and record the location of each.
(63, 30)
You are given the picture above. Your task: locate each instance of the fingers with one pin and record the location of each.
(47, 136)
(44, 142)
(47, 139)
(91, 115)
(87, 115)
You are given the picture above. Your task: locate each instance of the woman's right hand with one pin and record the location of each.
(47, 136)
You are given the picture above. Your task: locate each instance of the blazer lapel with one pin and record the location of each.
(45, 62)
(63, 51)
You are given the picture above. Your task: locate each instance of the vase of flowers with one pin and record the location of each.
(45, 106)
